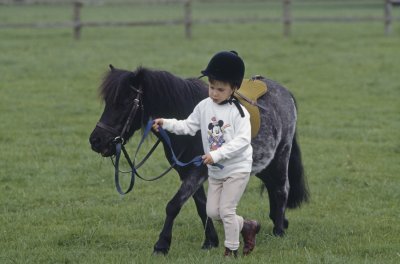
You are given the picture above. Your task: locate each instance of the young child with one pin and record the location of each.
(226, 136)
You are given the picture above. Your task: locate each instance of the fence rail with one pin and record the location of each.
(287, 19)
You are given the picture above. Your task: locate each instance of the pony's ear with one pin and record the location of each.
(111, 67)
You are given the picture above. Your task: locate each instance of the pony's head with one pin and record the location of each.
(155, 93)
(123, 110)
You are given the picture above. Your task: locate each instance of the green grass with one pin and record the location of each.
(58, 202)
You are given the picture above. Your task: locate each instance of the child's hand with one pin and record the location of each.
(207, 159)
(157, 123)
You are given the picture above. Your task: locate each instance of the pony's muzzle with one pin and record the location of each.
(95, 143)
(101, 145)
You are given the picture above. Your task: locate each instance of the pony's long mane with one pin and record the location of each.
(170, 95)
(114, 84)
(165, 94)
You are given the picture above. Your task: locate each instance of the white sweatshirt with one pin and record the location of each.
(225, 135)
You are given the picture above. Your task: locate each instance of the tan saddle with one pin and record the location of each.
(249, 92)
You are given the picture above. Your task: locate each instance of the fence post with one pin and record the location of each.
(77, 20)
(188, 18)
(388, 17)
(287, 19)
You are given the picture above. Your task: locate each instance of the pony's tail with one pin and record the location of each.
(298, 192)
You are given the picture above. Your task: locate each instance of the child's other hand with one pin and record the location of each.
(207, 159)
(157, 123)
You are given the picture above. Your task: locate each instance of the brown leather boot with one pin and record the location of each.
(230, 253)
(249, 231)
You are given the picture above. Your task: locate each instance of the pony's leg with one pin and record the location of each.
(211, 237)
(273, 206)
(278, 190)
(275, 178)
(189, 186)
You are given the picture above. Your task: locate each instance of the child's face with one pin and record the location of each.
(219, 91)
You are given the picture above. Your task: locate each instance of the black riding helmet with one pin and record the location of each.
(226, 66)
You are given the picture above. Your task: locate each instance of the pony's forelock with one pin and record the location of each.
(114, 81)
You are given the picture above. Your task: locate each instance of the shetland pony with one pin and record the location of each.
(276, 153)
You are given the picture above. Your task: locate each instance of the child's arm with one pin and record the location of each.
(189, 126)
(207, 158)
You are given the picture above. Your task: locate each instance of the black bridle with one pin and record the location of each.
(120, 140)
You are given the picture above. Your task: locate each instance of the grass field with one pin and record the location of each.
(58, 203)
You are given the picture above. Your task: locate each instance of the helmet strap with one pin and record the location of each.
(236, 102)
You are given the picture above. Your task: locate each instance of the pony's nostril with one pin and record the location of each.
(94, 141)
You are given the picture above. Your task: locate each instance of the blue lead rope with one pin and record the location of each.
(197, 161)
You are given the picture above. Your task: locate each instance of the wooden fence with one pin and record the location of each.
(388, 19)
(287, 20)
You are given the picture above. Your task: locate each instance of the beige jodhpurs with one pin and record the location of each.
(222, 200)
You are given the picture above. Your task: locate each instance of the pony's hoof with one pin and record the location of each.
(159, 252)
(285, 223)
(278, 232)
(209, 245)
